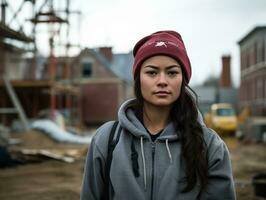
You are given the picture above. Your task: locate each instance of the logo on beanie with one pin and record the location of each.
(160, 44)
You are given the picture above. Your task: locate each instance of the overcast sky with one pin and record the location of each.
(210, 28)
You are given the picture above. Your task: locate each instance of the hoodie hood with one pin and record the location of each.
(129, 121)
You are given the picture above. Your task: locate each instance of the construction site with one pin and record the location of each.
(51, 105)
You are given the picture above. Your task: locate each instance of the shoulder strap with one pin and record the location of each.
(111, 145)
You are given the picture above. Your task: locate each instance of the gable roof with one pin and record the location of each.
(98, 56)
(253, 31)
(122, 65)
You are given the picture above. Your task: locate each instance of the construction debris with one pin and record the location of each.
(47, 153)
(58, 134)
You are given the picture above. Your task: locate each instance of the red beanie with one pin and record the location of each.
(167, 43)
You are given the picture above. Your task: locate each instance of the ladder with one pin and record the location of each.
(17, 106)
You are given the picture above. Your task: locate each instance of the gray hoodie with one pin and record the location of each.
(160, 167)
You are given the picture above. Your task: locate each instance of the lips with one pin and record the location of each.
(162, 92)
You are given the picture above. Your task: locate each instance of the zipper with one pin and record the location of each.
(152, 176)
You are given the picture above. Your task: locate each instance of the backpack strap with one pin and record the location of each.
(112, 142)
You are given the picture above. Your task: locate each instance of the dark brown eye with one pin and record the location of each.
(173, 73)
(151, 73)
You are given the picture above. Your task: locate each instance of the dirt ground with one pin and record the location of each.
(248, 159)
(56, 180)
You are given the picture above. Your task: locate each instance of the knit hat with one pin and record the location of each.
(167, 43)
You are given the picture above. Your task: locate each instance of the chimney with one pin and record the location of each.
(107, 53)
(3, 12)
(225, 79)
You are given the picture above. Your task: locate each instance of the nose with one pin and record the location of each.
(162, 80)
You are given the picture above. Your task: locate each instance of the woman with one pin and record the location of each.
(164, 151)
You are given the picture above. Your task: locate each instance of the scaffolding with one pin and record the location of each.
(60, 95)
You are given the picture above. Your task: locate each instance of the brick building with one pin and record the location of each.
(252, 92)
(101, 90)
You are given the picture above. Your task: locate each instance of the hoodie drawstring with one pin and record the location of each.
(144, 164)
(168, 150)
(134, 158)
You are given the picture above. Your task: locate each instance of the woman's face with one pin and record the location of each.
(160, 80)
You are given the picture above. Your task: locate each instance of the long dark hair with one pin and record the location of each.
(184, 115)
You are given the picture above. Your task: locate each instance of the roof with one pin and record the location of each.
(7, 32)
(99, 57)
(205, 94)
(253, 31)
(122, 65)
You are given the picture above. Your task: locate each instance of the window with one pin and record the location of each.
(86, 69)
(263, 52)
(242, 60)
(59, 72)
(264, 89)
(259, 89)
(248, 59)
(225, 112)
(255, 53)
(259, 56)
